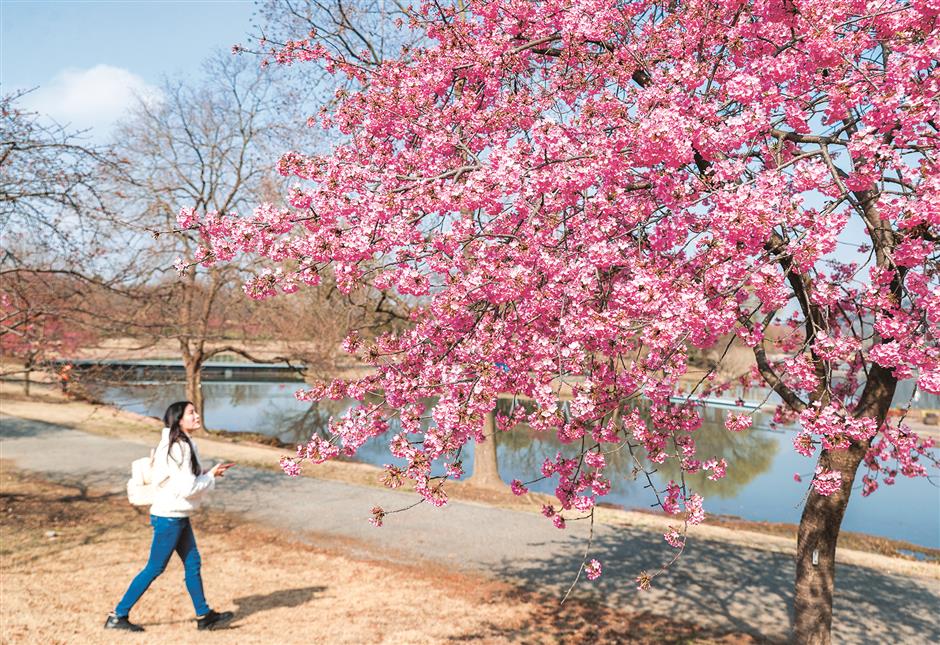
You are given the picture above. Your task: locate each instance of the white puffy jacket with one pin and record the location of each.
(177, 491)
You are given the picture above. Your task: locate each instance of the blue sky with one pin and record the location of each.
(89, 57)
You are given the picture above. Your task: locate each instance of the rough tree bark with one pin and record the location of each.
(192, 361)
(822, 519)
(194, 387)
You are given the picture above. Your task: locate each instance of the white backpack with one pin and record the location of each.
(140, 486)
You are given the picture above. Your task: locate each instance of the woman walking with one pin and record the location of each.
(179, 483)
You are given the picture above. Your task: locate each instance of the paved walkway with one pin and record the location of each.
(715, 584)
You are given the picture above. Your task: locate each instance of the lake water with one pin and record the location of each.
(761, 462)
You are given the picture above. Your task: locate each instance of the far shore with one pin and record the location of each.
(347, 368)
(48, 405)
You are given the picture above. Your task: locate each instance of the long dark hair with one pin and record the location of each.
(171, 419)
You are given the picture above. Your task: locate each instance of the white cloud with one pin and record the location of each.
(90, 98)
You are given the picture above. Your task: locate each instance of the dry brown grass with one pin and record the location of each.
(59, 589)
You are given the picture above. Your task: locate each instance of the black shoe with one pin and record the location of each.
(214, 619)
(121, 622)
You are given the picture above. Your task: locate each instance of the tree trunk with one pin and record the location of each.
(485, 465)
(822, 519)
(194, 385)
(818, 533)
(26, 380)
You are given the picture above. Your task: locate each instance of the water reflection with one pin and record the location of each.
(748, 454)
(242, 394)
(759, 484)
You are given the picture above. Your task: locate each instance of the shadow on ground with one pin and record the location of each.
(722, 584)
(248, 605)
(16, 428)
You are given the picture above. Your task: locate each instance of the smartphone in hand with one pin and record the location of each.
(219, 469)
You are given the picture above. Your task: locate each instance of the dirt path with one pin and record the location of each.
(724, 581)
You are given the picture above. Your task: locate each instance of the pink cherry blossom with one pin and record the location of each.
(594, 459)
(290, 466)
(826, 482)
(718, 468)
(693, 506)
(580, 198)
(738, 422)
(674, 538)
(518, 488)
(593, 570)
(378, 516)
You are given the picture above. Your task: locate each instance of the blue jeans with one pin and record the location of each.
(169, 534)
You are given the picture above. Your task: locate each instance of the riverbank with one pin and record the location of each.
(48, 405)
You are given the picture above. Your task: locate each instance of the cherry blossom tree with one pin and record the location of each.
(41, 320)
(581, 191)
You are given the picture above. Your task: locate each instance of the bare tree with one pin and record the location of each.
(366, 31)
(56, 231)
(312, 324)
(211, 146)
(48, 182)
